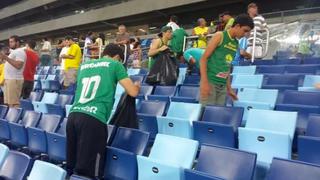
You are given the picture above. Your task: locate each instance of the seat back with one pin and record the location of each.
(244, 70)
(145, 90)
(64, 99)
(268, 96)
(288, 61)
(51, 77)
(302, 98)
(131, 71)
(184, 110)
(16, 166)
(137, 78)
(131, 140)
(63, 127)
(313, 127)
(174, 150)
(270, 69)
(3, 111)
(226, 163)
(302, 69)
(247, 81)
(189, 91)
(120, 164)
(311, 80)
(49, 123)
(49, 98)
(13, 114)
(155, 108)
(282, 79)
(35, 96)
(4, 150)
(223, 115)
(42, 170)
(275, 121)
(31, 118)
(308, 149)
(192, 79)
(196, 175)
(165, 90)
(294, 170)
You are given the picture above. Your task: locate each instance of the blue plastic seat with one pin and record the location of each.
(145, 91)
(281, 82)
(3, 111)
(147, 116)
(244, 70)
(187, 94)
(196, 175)
(308, 149)
(309, 83)
(182, 75)
(77, 177)
(26, 104)
(302, 69)
(264, 62)
(59, 107)
(42, 170)
(311, 61)
(13, 115)
(256, 99)
(162, 93)
(137, 78)
(167, 158)
(67, 109)
(57, 143)
(270, 69)
(18, 131)
(131, 140)
(16, 166)
(191, 80)
(51, 83)
(120, 164)
(37, 141)
(288, 61)
(178, 121)
(294, 170)
(132, 71)
(48, 98)
(4, 151)
(226, 163)
(111, 133)
(247, 81)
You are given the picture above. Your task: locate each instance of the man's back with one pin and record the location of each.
(30, 65)
(75, 51)
(96, 87)
(11, 72)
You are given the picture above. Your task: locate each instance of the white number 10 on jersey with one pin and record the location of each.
(87, 88)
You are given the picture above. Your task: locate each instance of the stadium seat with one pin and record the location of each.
(191, 80)
(247, 81)
(147, 116)
(145, 91)
(120, 164)
(313, 128)
(282, 169)
(16, 166)
(111, 132)
(301, 69)
(255, 99)
(67, 109)
(264, 62)
(48, 98)
(308, 149)
(162, 93)
(182, 75)
(168, 156)
(77, 177)
(311, 61)
(26, 104)
(188, 94)
(42, 170)
(195, 175)
(218, 126)
(3, 111)
(58, 107)
(70, 90)
(226, 163)
(270, 69)
(56, 143)
(244, 70)
(178, 121)
(132, 71)
(131, 140)
(18, 130)
(37, 141)
(51, 83)
(4, 151)
(137, 78)
(281, 82)
(13, 115)
(309, 83)
(288, 62)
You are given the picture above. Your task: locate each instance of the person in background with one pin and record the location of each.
(160, 44)
(216, 62)
(202, 31)
(98, 45)
(123, 39)
(88, 45)
(4, 50)
(72, 62)
(86, 127)
(29, 69)
(192, 56)
(173, 23)
(13, 72)
(59, 47)
(242, 54)
(260, 25)
(136, 53)
(177, 41)
(46, 49)
(227, 19)
(64, 50)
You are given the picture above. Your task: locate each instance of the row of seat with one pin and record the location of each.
(283, 62)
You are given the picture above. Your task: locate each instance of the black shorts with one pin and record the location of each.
(86, 145)
(27, 88)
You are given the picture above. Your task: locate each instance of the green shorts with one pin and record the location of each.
(217, 97)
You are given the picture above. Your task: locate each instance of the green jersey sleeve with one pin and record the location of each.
(121, 72)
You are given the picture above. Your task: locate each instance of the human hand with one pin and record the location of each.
(233, 95)
(163, 48)
(205, 89)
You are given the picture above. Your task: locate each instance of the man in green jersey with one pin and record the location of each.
(94, 98)
(216, 61)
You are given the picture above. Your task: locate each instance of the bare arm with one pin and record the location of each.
(194, 33)
(245, 54)
(154, 48)
(66, 56)
(13, 62)
(131, 88)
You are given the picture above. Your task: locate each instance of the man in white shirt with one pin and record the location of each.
(88, 43)
(46, 53)
(63, 51)
(13, 72)
(173, 23)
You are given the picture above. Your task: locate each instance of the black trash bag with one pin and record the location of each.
(125, 114)
(165, 70)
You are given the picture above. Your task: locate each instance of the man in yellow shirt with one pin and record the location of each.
(72, 62)
(202, 31)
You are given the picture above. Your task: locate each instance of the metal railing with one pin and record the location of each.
(265, 44)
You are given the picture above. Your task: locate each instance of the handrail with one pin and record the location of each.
(253, 54)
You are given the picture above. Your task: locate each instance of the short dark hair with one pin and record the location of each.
(174, 18)
(16, 38)
(32, 44)
(46, 39)
(68, 38)
(113, 50)
(244, 20)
